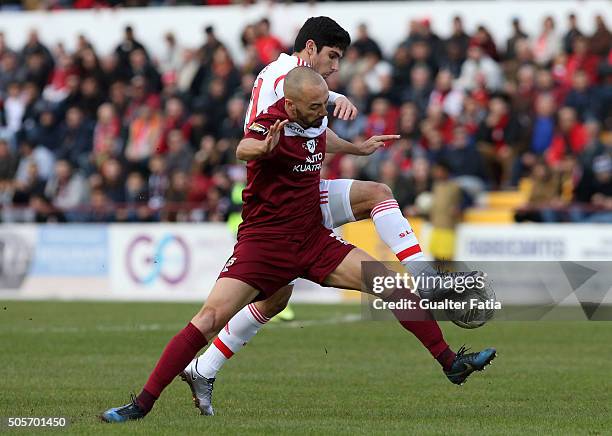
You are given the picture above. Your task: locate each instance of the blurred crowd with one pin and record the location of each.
(129, 137)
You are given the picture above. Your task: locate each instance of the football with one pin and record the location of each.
(473, 308)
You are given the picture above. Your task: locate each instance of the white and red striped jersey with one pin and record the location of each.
(268, 87)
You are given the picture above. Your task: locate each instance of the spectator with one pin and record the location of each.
(351, 65)
(33, 46)
(268, 46)
(136, 199)
(113, 183)
(107, 135)
(177, 208)
(581, 59)
(483, 38)
(233, 125)
(517, 35)
(44, 212)
(584, 99)
(171, 60)
(544, 124)
(547, 44)
(377, 73)
(390, 175)
(595, 189)
(443, 94)
(32, 186)
(364, 44)
(544, 197)
(480, 70)
(8, 165)
(179, 156)
(125, 48)
(37, 155)
(66, 189)
(47, 133)
(382, 120)
(76, 139)
(174, 118)
(459, 40)
(358, 95)
(100, 210)
(601, 40)
(139, 65)
(158, 182)
(207, 49)
(420, 88)
(188, 70)
(498, 139)
(570, 137)
(144, 135)
(409, 121)
(91, 97)
(9, 72)
(463, 159)
(572, 33)
(14, 109)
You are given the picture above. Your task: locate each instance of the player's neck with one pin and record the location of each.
(303, 56)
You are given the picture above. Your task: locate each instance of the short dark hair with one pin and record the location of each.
(324, 31)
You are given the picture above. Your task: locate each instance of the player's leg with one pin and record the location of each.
(418, 321)
(375, 200)
(270, 275)
(226, 299)
(237, 333)
(348, 275)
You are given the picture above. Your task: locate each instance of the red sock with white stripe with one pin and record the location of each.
(235, 335)
(396, 232)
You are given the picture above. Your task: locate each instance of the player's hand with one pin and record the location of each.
(375, 142)
(345, 110)
(274, 135)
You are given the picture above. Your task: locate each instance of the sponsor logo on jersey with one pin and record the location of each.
(312, 163)
(258, 128)
(295, 128)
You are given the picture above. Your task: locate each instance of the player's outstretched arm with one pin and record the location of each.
(335, 144)
(251, 148)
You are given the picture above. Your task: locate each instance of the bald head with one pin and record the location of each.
(303, 82)
(306, 96)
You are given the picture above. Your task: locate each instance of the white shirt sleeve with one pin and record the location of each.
(333, 96)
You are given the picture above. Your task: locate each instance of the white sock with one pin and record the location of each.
(396, 232)
(235, 335)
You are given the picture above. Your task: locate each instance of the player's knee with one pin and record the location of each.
(274, 305)
(379, 192)
(208, 321)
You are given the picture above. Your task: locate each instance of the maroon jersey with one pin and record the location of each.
(282, 192)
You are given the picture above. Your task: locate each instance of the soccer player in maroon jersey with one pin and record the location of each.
(282, 238)
(320, 44)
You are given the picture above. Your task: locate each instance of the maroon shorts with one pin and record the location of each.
(270, 262)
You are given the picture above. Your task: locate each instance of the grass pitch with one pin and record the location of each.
(325, 373)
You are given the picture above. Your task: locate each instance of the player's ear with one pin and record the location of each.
(289, 107)
(311, 48)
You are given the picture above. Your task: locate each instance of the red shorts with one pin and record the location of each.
(269, 262)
